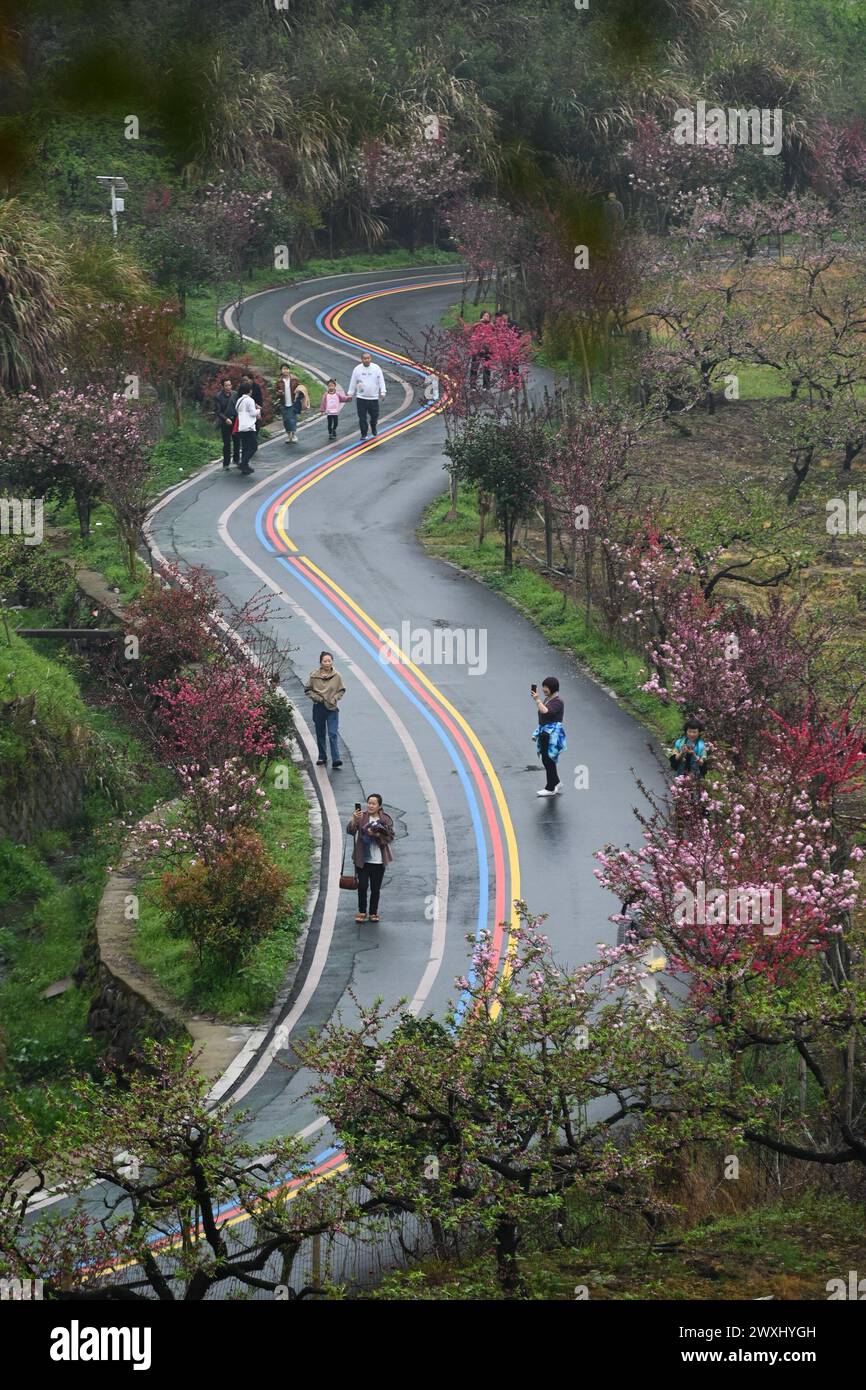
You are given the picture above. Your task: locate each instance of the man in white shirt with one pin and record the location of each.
(367, 385)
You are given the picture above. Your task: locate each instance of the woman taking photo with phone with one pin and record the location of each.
(550, 735)
(373, 830)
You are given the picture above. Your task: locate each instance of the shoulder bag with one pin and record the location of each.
(347, 880)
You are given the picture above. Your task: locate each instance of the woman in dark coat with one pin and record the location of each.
(373, 830)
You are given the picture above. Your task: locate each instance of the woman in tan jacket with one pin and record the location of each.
(325, 687)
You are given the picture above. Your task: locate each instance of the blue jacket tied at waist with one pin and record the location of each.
(556, 743)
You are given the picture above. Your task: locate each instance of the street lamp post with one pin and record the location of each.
(115, 184)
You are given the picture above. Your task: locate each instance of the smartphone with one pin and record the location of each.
(534, 689)
(357, 805)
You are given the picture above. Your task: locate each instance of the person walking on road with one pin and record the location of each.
(225, 410)
(550, 735)
(373, 830)
(332, 403)
(367, 385)
(285, 391)
(325, 688)
(256, 393)
(248, 417)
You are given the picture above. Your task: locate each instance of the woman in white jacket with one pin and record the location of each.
(248, 414)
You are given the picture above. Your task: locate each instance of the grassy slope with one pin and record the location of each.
(789, 1248)
(49, 892)
(246, 994)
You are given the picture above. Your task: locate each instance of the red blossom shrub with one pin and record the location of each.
(214, 715)
(211, 385)
(826, 755)
(173, 621)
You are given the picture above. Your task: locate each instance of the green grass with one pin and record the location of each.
(760, 383)
(555, 615)
(471, 312)
(59, 711)
(180, 453)
(50, 890)
(788, 1247)
(246, 994)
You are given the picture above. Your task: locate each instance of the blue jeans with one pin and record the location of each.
(290, 419)
(326, 719)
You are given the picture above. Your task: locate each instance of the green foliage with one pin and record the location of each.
(748, 517)
(182, 452)
(34, 304)
(35, 577)
(279, 717)
(502, 458)
(72, 148)
(49, 892)
(783, 1247)
(225, 907)
(245, 993)
(59, 712)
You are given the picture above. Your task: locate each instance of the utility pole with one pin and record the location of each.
(115, 184)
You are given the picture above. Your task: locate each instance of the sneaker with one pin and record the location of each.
(339, 764)
(558, 788)
(321, 762)
(226, 465)
(294, 437)
(545, 792)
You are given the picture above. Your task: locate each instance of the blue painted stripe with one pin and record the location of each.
(432, 718)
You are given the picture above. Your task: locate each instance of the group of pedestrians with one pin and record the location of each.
(238, 410)
(482, 340)
(238, 414)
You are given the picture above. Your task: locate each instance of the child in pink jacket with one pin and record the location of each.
(332, 403)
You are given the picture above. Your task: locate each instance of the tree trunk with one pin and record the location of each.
(800, 475)
(585, 361)
(548, 536)
(83, 508)
(440, 1239)
(484, 504)
(506, 1258)
(451, 514)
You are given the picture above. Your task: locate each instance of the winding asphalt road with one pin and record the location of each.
(330, 530)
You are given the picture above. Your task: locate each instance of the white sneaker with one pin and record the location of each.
(558, 788)
(294, 437)
(545, 792)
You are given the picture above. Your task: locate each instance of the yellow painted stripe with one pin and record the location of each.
(496, 787)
